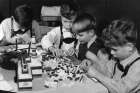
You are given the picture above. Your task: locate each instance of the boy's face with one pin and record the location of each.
(121, 52)
(67, 24)
(84, 37)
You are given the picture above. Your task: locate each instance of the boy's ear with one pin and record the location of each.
(92, 32)
(130, 46)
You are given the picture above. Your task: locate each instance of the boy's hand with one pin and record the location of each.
(56, 52)
(21, 40)
(85, 65)
(92, 72)
(70, 51)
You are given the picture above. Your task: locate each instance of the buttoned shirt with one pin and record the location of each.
(1, 34)
(53, 39)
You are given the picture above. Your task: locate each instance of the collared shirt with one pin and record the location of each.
(6, 27)
(131, 82)
(53, 39)
(89, 43)
(93, 47)
(1, 34)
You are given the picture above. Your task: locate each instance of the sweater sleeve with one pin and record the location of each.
(128, 84)
(51, 39)
(1, 33)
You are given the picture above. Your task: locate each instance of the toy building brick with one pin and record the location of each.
(36, 66)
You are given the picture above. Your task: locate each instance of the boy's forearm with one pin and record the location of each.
(108, 83)
(112, 85)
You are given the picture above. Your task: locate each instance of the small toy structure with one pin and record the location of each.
(24, 75)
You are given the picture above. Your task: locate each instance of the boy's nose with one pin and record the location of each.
(70, 24)
(112, 52)
(77, 37)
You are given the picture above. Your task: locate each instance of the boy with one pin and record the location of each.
(54, 40)
(17, 29)
(21, 26)
(85, 28)
(121, 36)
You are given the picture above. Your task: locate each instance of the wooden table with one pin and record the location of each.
(38, 85)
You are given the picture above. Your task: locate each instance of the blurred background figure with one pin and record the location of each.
(50, 13)
(54, 41)
(17, 29)
(20, 26)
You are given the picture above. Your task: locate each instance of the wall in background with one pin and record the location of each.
(7, 7)
(104, 10)
(109, 9)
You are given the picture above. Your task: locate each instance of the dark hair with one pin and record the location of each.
(23, 15)
(84, 22)
(119, 33)
(50, 3)
(69, 9)
(105, 51)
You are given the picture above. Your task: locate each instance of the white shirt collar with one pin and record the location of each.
(65, 30)
(91, 41)
(130, 59)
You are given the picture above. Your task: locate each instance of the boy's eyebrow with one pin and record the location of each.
(79, 34)
(68, 21)
(113, 49)
(86, 29)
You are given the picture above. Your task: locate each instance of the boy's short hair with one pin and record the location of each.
(69, 9)
(83, 23)
(119, 33)
(23, 15)
(106, 51)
